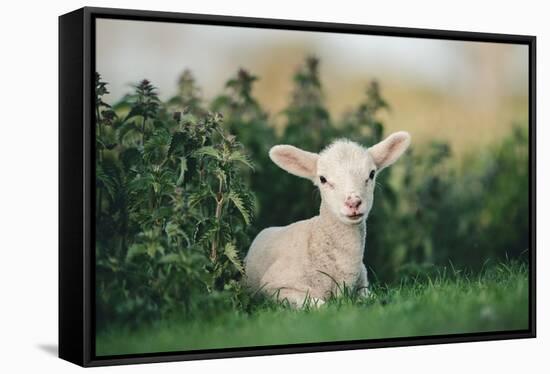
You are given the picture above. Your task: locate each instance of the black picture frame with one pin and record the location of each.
(76, 183)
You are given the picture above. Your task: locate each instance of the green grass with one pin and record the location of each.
(495, 300)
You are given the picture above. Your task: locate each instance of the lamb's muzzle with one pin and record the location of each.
(353, 202)
(305, 259)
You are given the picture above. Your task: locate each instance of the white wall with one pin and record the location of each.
(28, 188)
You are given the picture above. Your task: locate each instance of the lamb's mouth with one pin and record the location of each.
(356, 216)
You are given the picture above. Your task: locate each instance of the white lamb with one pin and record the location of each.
(307, 259)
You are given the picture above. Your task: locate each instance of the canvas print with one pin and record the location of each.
(261, 187)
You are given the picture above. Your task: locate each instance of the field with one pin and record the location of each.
(183, 186)
(444, 303)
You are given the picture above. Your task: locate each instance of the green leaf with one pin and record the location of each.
(239, 204)
(197, 197)
(156, 187)
(134, 112)
(242, 158)
(141, 183)
(105, 181)
(208, 234)
(183, 169)
(170, 258)
(153, 248)
(205, 230)
(177, 144)
(134, 250)
(156, 147)
(230, 251)
(221, 175)
(208, 151)
(130, 157)
(127, 133)
(172, 229)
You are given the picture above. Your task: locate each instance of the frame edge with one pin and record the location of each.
(74, 105)
(70, 152)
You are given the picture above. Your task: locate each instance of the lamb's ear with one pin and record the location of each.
(390, 149)
(294, 160)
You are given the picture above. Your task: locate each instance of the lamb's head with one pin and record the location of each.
(345, 172)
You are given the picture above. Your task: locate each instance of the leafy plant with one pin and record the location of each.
(183, 186)
(171, 207)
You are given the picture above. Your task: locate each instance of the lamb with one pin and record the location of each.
(311, 259)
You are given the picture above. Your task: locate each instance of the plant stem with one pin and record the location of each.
(219, 205)
(143, 130)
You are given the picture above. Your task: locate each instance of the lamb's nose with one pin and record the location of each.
(353, 202)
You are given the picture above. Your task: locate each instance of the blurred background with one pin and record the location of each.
(178, 201)
(464, 93)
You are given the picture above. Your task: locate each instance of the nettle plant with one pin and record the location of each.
(171, 208)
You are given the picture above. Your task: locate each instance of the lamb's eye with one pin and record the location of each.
(323, 179)
(371, 175)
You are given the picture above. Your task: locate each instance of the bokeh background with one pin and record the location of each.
(465, 93)
(186, 116)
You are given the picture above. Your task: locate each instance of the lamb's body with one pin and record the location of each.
(316, 257)
(307, 258)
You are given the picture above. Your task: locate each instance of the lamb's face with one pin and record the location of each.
(346, 175)
(345, 172)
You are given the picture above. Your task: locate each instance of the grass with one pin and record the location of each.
(495, 300)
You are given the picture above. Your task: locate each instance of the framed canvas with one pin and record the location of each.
(236, 186)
